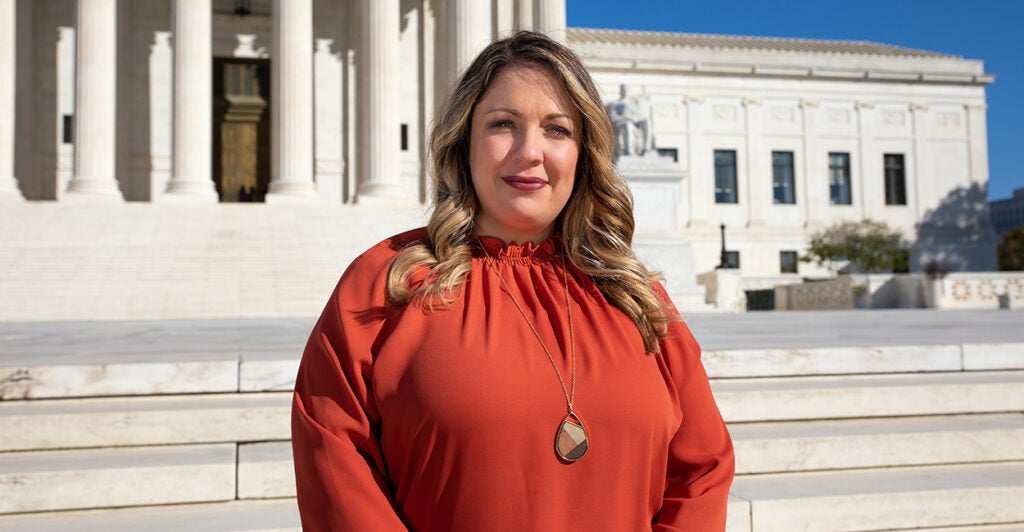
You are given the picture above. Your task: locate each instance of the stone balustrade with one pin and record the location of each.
(975, 290)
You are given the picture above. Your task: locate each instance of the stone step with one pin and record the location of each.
(265, 516)
(265, 470)
(874, 443)
(859, 396)
(885, 499)
(134, 421)
(853, 360)
(109, 373)
(179, 368)
(100, 478)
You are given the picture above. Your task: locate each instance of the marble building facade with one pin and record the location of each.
(329, 102)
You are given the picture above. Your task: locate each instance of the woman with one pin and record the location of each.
(512, 366)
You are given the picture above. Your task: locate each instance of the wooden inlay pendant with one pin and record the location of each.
(571, 440)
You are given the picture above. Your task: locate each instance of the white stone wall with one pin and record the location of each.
(754, 116)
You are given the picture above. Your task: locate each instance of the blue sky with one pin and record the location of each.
(990, 30)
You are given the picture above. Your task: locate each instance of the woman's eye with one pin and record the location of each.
(559, 131)
(502, 124)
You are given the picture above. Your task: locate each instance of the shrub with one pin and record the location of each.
(869, 246)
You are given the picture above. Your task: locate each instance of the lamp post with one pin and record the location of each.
(723, 259)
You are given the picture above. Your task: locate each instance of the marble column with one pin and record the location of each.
(193, 85)
(524, 15)
(95, 101)
(470, 30)
(549, 17)
(291, 175)
(380, 166)
(8, 70)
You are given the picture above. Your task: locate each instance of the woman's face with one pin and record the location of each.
(523, 145)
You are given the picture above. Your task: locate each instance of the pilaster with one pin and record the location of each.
(193, 83)
(95, 102)
(814, 199)
(865, 165)
(699, 168)
(924, 189)
(754, 190)
(291, 174)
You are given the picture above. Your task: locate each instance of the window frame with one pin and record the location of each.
(895, 176)
(723, 192)
(835, 188)
(777, 180)
(782, 262)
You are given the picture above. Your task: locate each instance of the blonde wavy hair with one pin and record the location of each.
(596, 224)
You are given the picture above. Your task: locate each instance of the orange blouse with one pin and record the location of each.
(446, 419)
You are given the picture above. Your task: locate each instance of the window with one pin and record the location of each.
(782, 177)
(839, 179)
(405, 137)
(787, 262)
(895, 179)
(725, 176)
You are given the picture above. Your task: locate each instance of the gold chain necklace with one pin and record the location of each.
(571, 442)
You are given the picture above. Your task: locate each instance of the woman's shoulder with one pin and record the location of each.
(376, 261)
(380, 255)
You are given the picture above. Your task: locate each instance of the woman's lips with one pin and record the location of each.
(527, 183)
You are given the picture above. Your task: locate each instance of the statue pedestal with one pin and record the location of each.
(656, 183)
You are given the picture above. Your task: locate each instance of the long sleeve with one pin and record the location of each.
(701, 464)
(340, 471)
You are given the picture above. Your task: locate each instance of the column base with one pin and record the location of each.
(93, 190)
(9, 190)
(377, 192)
(181, 189)
(292, 192)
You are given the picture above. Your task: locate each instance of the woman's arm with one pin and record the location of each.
(340, 473)
(700, 461)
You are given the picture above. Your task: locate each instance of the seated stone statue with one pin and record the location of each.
(632, 125)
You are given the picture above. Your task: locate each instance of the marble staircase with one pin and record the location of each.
(827, 438)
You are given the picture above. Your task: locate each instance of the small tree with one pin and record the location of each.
(870, 246)
(1011, 251)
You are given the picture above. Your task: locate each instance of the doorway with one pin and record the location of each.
(241, 129)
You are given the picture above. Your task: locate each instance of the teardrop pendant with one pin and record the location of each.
(571, 442)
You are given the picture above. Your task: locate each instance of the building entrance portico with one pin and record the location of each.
(241, 129)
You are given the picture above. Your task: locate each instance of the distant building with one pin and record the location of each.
(1008, 213)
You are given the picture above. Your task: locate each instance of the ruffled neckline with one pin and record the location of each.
(510, 251)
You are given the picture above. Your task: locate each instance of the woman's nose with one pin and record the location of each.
(529, 147)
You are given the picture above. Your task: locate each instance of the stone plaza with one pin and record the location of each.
(842, 420)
